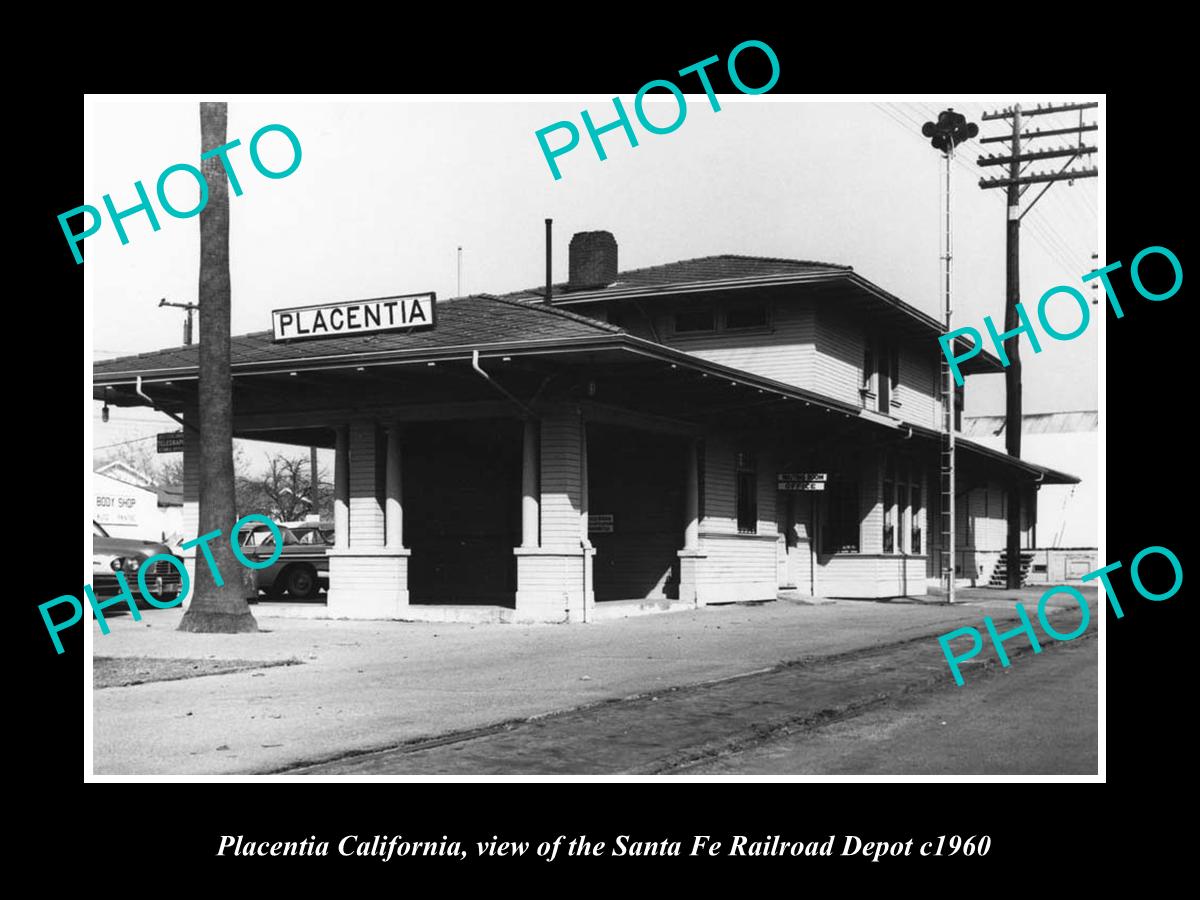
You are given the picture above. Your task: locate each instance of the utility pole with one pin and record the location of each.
(950, 130)
(187, 323)
(1016, 185)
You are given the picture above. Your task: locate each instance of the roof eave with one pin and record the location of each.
(353, 360)
(983, 362)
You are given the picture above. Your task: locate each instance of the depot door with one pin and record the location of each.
(800, 540)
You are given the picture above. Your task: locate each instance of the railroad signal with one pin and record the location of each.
(950, 130)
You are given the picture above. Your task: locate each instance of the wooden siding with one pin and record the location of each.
(561, 480)
(818, 348)
(870, 500)
(837, 363)
(736, 568)
(720, 484)
(871, 575)
(918, 386)
(366, 510)
(784, 352)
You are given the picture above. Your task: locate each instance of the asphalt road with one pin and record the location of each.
(885, 710)
(1032, 719)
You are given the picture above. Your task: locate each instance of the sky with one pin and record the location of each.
(386, 191)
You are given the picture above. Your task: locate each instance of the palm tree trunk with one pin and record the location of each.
(216, 608)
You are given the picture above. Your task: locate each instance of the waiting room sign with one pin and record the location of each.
(802, 481)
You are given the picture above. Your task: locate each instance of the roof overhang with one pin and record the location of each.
(614, 348)
(903, 314)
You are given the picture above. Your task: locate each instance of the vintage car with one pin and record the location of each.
(126, 555)
(302, 568)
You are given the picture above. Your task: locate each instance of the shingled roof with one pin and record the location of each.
(723, 267)
(476, 321)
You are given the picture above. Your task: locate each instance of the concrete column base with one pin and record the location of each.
(550, 584)
(368, 582)
(691, 564)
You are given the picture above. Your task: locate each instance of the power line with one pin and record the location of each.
(1038, 234)
(148, 437)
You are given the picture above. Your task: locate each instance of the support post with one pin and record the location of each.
(691, 528)
(368, 567)
(691, 557)
(341, 489)
(394, 511)
(529, 486)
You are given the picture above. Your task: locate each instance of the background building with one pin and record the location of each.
(1067, 514)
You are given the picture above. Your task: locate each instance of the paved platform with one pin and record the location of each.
(371, 685)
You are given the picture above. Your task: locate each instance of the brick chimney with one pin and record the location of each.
(592, 259)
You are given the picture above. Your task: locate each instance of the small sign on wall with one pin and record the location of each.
(170, 441)
(802, 481)
(600, 524)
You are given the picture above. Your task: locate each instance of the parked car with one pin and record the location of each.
(127, 555)
(302, 568)
(314, 533)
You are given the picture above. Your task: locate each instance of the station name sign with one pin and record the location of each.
(802, 481)
(405, 313)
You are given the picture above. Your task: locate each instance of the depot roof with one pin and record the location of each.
(492, 326)
(480, 321)
(726, 273)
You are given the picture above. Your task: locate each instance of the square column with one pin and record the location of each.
(341, 489)
(691, 557)
(368, 578)
(554, 581)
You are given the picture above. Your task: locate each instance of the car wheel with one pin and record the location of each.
(301, 582)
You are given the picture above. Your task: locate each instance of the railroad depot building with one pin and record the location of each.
(705, 431)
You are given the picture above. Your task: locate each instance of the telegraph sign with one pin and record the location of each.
(170, 441)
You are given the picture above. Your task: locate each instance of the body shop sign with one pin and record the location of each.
(404, 313)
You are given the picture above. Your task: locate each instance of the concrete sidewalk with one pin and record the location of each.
(371, 685)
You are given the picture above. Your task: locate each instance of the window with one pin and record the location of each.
(889, 509)
(881, 374)
(918, 517)
(695, 320)
(840, 534)
(903, 508)
(746, 317)
(889, 376)
(868, 373)
(747, 494)
(894, 373)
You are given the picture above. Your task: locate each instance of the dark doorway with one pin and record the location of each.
(635, 498)
(462, 511)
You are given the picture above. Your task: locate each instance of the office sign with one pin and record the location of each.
(405, 313)
(802, 481)
(170, 441)
(600, 524)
